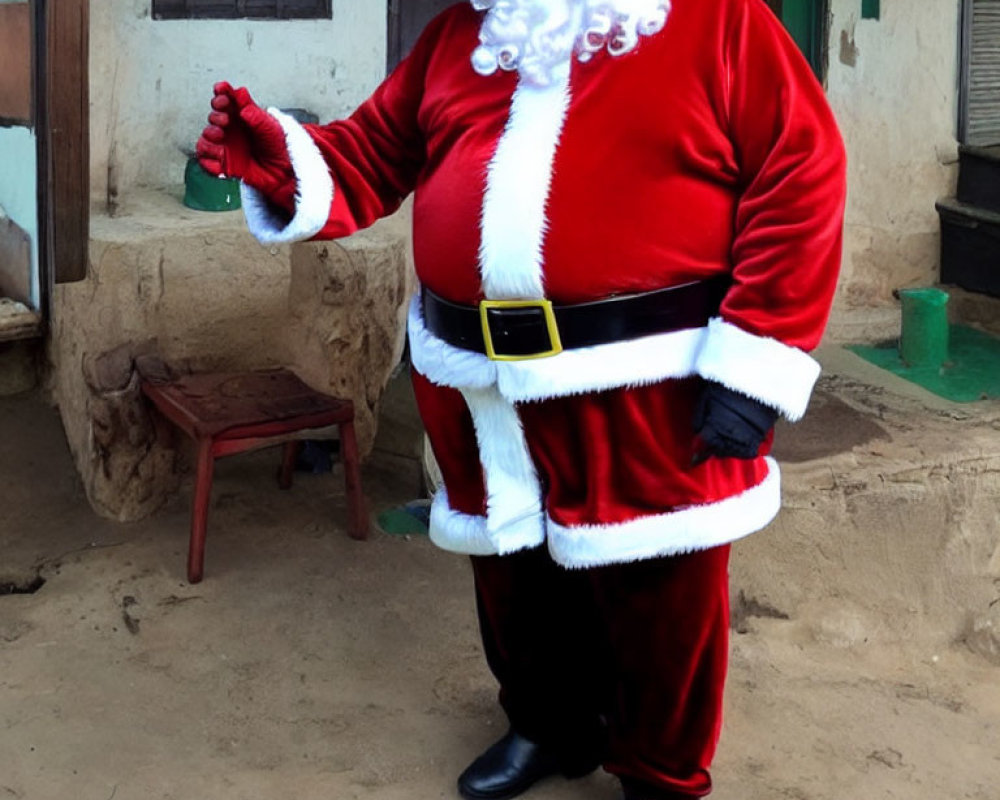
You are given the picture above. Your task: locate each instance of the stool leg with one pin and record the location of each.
(357, 514)
(199, 510)
(289, 456)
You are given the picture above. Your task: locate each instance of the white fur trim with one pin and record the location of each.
(457, 532)
(465, 533)
(681, 531)
(634, 362)
(513, 492)
(443, 363)
(313, 193)
(607, 366)
(517, 188)
(760, 367)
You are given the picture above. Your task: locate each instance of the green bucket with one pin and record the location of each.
(205, 192)
(923, 340)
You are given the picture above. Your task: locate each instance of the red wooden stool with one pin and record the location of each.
(228, 413)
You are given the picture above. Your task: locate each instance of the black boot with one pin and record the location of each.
(510, 766)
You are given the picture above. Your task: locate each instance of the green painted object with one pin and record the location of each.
(804, 20)
(205, 192)
(411, 519)
(923, 340)
(971, 372)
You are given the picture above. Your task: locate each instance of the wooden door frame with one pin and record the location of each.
(392, 31)
(61, 98)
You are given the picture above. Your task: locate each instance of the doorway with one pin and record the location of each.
(407, 18)
(20, 282)
(806, 21)
(44, 157)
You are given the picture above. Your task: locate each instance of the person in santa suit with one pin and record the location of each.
(627, 230)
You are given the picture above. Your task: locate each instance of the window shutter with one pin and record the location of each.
(169, 9)
(242, 9)
(983, 73)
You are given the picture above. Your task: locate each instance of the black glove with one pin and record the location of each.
(730, 424)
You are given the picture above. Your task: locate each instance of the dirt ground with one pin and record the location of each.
(310, 666)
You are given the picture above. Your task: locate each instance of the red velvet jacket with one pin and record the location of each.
(707, 150)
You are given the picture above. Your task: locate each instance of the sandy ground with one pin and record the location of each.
(308, 665)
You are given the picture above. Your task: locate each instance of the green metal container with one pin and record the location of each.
(923, 340)
(205, 192)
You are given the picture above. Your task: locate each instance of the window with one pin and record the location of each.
(242, 9)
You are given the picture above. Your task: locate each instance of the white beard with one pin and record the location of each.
(539, 37)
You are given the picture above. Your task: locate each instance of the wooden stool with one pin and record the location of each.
(228, 413)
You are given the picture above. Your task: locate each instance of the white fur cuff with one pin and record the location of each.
(313, 192)
(767, 370)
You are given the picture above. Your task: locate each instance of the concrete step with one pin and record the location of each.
(979, 176)
(970, 246)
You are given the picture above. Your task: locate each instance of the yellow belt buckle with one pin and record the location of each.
(550, 325)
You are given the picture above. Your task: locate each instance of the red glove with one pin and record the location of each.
(243, 141)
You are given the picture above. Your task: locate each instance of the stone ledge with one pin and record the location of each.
(197, 291)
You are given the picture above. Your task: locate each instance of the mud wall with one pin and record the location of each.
(893, 83)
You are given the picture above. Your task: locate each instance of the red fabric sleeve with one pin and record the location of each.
(376, 154)
(789, 219)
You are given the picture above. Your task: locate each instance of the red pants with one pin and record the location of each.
(641, 647)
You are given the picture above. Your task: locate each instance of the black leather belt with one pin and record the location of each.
(512, 330)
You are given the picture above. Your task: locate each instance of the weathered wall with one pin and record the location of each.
(151, 81)
(893, 85)
(19, 188)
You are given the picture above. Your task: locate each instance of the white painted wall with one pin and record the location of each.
(19, 189)
(897, 106)
(151, 81)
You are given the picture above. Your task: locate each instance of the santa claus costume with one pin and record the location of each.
(659, 188)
